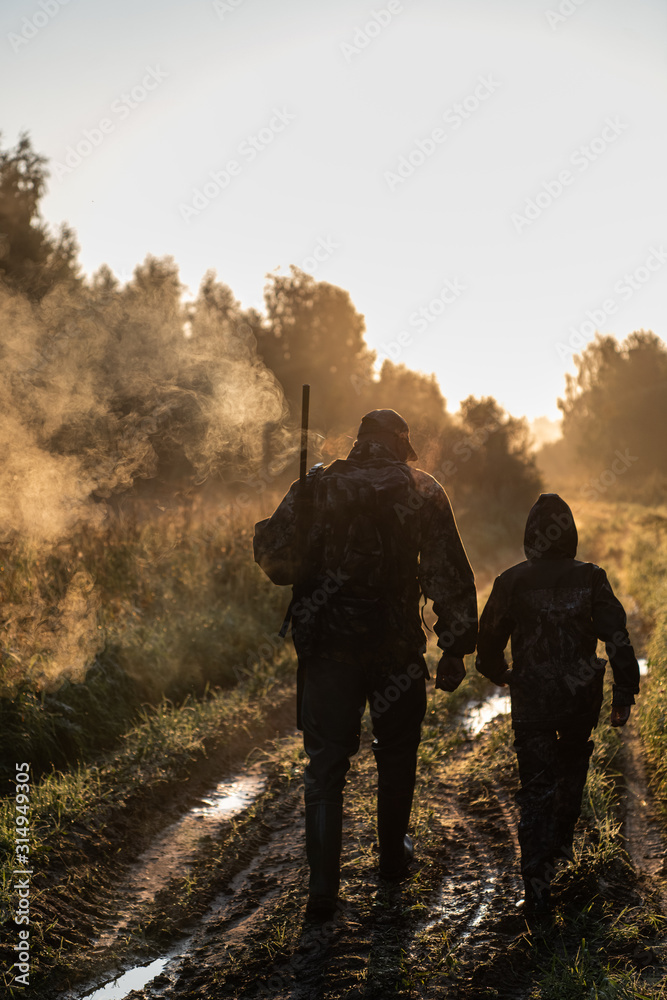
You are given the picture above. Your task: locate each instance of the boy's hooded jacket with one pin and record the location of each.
(555, 608)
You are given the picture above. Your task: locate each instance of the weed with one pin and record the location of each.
(589, 975)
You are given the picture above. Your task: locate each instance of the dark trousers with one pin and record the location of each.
(334, 697)
(553, 764)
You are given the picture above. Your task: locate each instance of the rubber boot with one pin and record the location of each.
(324, 826)
(396, 849)
(537, 891)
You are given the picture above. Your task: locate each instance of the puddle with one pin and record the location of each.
(171, 854)
(230, 798)
(135, 979)
(481, 910)
(479, 713)
(470, 913)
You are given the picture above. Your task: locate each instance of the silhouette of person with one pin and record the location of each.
(554, 608)
(368, 539)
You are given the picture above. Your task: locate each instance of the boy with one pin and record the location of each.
(554, 608)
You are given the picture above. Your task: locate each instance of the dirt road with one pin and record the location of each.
(212, 903)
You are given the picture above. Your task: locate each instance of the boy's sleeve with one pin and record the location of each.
(609, 622)
(495, 628)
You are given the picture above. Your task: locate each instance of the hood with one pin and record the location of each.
(550, 529)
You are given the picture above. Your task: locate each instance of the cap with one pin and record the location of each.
(387, 422)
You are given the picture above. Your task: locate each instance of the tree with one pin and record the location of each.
(31, 260)
(417, 397)
(490, 473)
(314, 334)
(617, 402)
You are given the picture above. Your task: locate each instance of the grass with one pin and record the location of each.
(151, 756)
(106, 621)
(583, 975)
(648, 580)
(166, 608)
(606, 922)
(653, 719)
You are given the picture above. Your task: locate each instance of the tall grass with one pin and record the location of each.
(91, 629)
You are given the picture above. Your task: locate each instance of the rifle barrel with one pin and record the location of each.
(305, 405)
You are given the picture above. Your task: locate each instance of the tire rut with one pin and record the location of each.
(416, 939)
(642, 828)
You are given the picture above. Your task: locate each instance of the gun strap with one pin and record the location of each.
(287, 619)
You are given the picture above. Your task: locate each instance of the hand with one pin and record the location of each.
(504, 679)
(620, 714)
(451, 672)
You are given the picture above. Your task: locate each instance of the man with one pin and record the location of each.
(554, 608)
(365, 539)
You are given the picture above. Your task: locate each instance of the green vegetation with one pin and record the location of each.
(653, 705)
(140, 433)
(148, 763)
(609, 449)
(173, 607)
(571, 978)
(630, 540)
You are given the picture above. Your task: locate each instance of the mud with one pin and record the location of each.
(213, 904)
(172, 854)
(242, 928)
(642, 827)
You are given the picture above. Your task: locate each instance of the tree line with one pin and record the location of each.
(123, 385)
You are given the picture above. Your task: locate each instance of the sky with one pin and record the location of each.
(486, 179)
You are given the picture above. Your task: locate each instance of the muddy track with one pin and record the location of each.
(104, 876)
(241, 931)
(214, 905)
(641, 827)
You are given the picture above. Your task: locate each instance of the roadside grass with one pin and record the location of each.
(607, 923)
(647, 581)
(151, 757)
(157, 749)
(95, 626)
(629, 540)
(653, 718)
(583, 975)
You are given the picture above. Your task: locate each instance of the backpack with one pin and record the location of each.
(359, 556)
